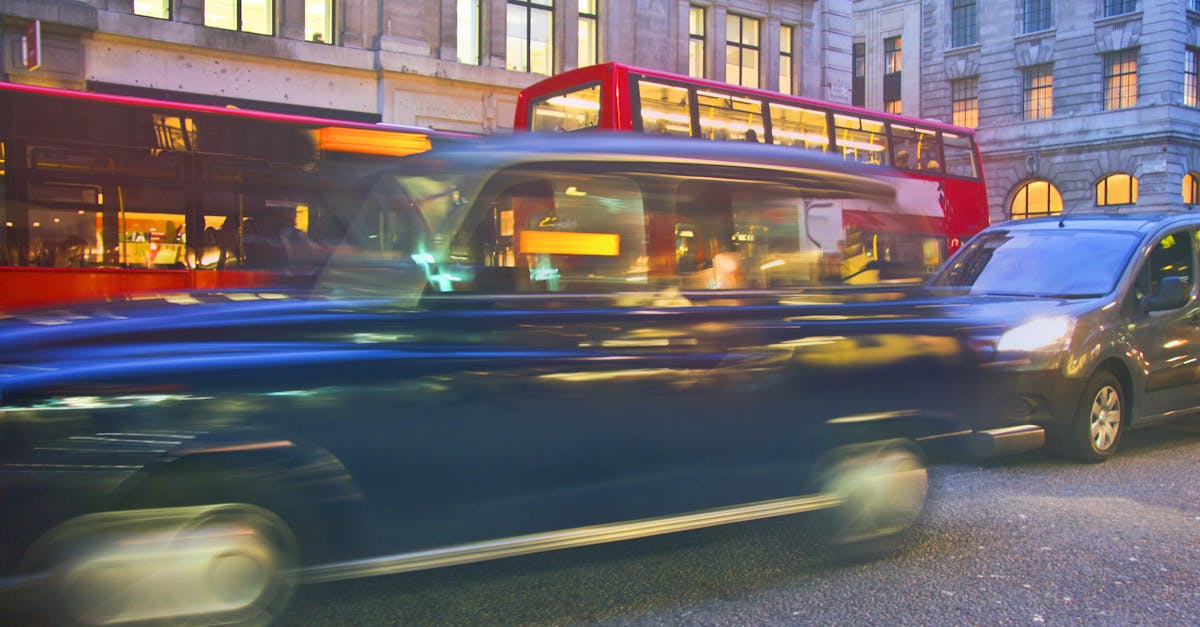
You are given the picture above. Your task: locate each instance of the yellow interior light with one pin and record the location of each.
(569, 243)
(372, 142)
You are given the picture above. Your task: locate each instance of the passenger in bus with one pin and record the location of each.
(902, 159)
(751, 135)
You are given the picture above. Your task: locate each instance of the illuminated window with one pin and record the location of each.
(964, 26)
(892, 65)
(318, 21)
(1035, 198)
(153, 8)
(1120, 79)
(1191, 188)
(725, 116)
(697, 66)
(861, 139)
(571, 111)
(741, 50)
(1116, 189)
(1038, 88)
(1037, 14)
(800, 127)
(665, 109)
(589, 40)
(468, 32)
(1191, 78)
(530, 42)
(249, 16)
(786, 59)
(1119, 7)
(964, 98)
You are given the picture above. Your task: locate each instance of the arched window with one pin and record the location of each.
(1035, 198)
(1191, 188)
(1116, 189)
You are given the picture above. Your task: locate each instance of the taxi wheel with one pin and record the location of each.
(228, 564)
(884, 486)
(1097, 425)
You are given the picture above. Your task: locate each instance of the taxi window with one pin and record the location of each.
(555, 233)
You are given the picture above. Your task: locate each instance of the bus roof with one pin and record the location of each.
(284, 118)
(614, 69)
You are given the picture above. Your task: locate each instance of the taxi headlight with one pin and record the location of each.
(1038, 334)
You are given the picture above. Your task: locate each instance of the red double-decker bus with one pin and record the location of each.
(941, 198)
(106, 196)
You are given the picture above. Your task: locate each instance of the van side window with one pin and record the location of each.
(1171, 256)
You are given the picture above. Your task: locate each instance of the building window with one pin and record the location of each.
(1191, 188)
(964, 26)
(318, 21)
(1194, 5)
(858, 87)
(1037, 15)
(589, 42)
(696, 36)
(1191, 77)
(153, 8)
(964, 98)
(1116, 189)
(530, 42)
(1119, 7)
(741, 50)
(1038, 89)
(786, 60)
(467, 42)
(1035, 198)
(892, 64)
(249, 16)
(1120, 79)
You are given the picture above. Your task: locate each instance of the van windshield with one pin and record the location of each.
(1049, 263)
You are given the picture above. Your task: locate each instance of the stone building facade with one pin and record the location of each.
(395, 61)
(1095, 101)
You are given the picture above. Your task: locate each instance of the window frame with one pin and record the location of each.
(1119, 79)
(965, 90)
(742, 48)
(787, 71)
(1191, 77)
(589, 22)
(529, 7)
(1104, 190)
(469, 30)
(1037, 98)
(239, 21)
(1037, 15)
(1053, 200)
(964, 23)
(162, 10)
(697, 41)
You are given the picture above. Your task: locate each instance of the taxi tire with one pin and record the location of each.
(885, 486)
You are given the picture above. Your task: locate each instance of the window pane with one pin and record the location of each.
(1039, 92)
(1191, 78)
(860, 139)
(220, 14)
(964, 28)
(665, 109)
(541, 34)
(153, 8)
(587, 42)
(1120, 79)
(572, 111)
(723, 116)
(258, 17)
(960, 156)
(796, 126)
(516, 43)
(1191, 188)
(468, 32)
(965, 102)
(318, 20)
(1036, 198)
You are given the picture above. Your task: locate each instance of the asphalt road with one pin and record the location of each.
(1025, 540)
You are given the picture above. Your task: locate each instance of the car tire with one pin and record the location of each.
(228, 564)
(1097, 425)
(884, 487)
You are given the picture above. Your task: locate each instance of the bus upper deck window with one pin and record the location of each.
(571, 111)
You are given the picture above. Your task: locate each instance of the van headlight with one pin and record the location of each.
(1037, 335)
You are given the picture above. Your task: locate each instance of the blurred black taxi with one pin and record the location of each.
(517, 346)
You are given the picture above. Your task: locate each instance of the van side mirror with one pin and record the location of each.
(1172, 294)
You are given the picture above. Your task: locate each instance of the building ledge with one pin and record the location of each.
(1035, 36)
(1115, 20)
(963, 50)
